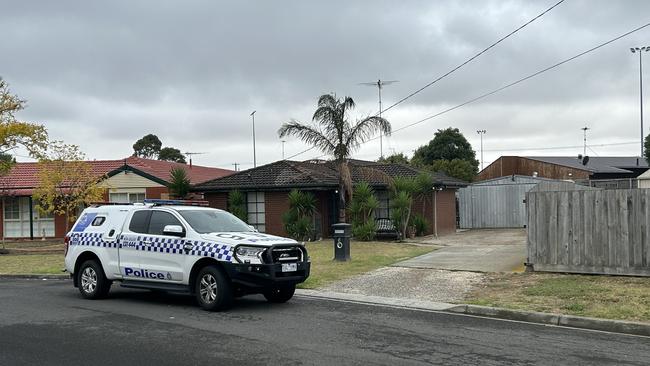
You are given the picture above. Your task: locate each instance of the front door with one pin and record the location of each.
(162, 256)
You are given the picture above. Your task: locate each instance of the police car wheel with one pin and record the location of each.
(280, 294)
(92, 281)
(213, 290)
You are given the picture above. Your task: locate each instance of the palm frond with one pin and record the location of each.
(308, 134)
(365, 129)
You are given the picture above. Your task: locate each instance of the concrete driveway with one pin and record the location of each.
(487, 250)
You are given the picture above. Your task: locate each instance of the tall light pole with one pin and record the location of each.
(380, 84)
(584, 150)
(481, 133)
(254, 155)
(640, 50)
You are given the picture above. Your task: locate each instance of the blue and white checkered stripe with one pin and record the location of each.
(91, 240)
(213, 250)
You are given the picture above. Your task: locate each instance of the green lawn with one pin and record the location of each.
(626, 298)
(366, 256)
(31, 264)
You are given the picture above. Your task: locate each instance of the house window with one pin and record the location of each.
(256, 210)
(16, 219)
(383, 211)
(126, 197)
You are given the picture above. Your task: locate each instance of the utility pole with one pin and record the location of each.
(254, 155)
(283, 141)
(640, 50)
(236, 165)
(380, 84)
(584, 150)
(481, 133)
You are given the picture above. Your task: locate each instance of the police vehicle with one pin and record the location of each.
(181, 247)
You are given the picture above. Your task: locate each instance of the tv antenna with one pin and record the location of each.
(190, 154)
(380, 84)
(584, 130)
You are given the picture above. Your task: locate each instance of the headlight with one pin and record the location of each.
(252, 255)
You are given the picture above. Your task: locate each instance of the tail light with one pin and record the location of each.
(66, 241)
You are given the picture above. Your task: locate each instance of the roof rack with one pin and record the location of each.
(97, 204)
(161, 202)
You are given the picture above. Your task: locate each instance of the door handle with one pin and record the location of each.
(145, 242)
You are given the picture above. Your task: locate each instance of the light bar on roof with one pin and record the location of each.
(161, 202)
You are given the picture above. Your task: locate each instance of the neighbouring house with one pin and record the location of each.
(266, 188)
(598, 171)
(126, 180)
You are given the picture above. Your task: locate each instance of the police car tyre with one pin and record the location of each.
(213, 289)
(280, 294)
(92, 280)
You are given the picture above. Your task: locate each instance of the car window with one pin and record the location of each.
(140, 221)
(160, 219)
(213, 221)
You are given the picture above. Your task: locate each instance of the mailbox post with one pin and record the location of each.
(342, 233)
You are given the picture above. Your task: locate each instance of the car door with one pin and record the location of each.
(163, 256)
(130, 244)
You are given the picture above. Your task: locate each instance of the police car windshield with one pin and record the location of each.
(213, 221)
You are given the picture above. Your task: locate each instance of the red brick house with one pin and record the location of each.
(267, 187)
(127, 180)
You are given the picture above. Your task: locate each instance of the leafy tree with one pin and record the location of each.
(299, 219)
(147, 147)
(66, 182)
(461, 169)
(333, 134)
(399, 158)
(171, 154)
(237, 204)
(362, 209)
(14, 133)
(448, 144)
(179, 184)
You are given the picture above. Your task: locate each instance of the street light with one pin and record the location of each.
(254, 156)
(640, 50)
(481, 133)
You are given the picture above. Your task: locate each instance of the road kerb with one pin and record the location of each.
(34, 276)
(607, 325)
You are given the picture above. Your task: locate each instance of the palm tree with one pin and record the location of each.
(334, 135)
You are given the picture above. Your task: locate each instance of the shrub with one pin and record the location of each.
(420, 224)
(237, 204)
(299, 219)
(361, 210)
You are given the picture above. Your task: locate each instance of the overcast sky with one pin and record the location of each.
(102, 75)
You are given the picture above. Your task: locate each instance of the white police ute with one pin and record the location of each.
(181, 247)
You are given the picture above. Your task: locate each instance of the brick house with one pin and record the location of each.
(126, 180)
(266, 188)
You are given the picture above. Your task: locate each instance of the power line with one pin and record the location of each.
(474, 57)
(561, 147)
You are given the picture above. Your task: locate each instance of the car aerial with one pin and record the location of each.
(181, 247)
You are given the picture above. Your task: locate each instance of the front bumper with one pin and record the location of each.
(267, 275)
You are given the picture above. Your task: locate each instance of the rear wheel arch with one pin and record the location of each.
(85, 256)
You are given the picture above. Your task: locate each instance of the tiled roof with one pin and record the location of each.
(24, 176)
(287, 174)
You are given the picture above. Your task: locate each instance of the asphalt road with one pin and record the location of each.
(47, 323)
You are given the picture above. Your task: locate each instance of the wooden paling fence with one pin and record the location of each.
(590, 231)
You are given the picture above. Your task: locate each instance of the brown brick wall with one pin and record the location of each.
(157, 192)
(217, 200)
(275, 204)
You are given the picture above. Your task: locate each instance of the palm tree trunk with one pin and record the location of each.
(345, 188)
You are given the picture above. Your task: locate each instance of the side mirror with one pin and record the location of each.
(253, 228)
(174, 230)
